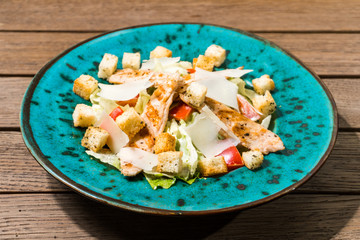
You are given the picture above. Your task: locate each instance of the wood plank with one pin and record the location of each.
(326, 54)
(19, 171)
(70, 216)
(258, 15)
(347, 99)
(11, 100)
(345, 92)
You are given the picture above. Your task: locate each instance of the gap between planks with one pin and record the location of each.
(255, 31)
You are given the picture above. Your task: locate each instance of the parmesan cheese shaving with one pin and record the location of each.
(139, 158)
(204, 135)
(218, 88)
(233, 138)
(125, 91)
(236, 73)
(155, 62)
(117, 138)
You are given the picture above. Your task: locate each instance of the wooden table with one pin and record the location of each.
(325, 34)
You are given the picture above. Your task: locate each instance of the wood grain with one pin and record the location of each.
(345, 92)
(69, 216)
(326, 54)
(258, 15)
(20, 172)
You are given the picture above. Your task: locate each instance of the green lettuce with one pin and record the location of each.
(143, 99)
(106, 156)
(248, 93)
(159, 180)
(183, 143)
(100, 104)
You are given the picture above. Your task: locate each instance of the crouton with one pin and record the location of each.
(83, 116)
(164, 142)
(195, 94)
(84, 86)
(95, 138)
(160, 52)
(204, 62)
(217, 53)
(131, 60)
(107, 65)
(264, 103)
(212, 166)
(253, 159)
(169, 162)
(262, 84)
(130, 122)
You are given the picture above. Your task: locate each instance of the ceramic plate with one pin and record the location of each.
(306, 121)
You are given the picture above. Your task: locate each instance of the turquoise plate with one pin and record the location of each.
(306, 121)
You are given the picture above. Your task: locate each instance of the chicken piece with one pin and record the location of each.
(156, 110)
(143, 140)
(128, 75)
(129, 170)
(131, 75)
(251, 134)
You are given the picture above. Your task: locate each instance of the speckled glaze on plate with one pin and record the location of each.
(306, 121)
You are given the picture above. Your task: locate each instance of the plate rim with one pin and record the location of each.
(34, 149)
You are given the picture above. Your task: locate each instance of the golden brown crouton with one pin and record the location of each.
(84, 116)
(131, 60)
(217, 53)
(169, 162)
(195, 94)
(212, 166)
(253, 159)
(204, 62)
(164, 142)
(84, 86)
(264, 103)
(262, 84)
(107, 65)
(160, 52)
(95, 138)
(130, 122)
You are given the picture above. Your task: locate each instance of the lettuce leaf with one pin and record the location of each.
(191, 180)
(100, 104)
(143, 99)
(183, 143)
(248, 93)
(106, 156)
(159, 180)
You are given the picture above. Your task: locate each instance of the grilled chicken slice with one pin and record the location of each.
(130, 75)
(143, 140)
(156, 111)
(251, 134)
(127, 169)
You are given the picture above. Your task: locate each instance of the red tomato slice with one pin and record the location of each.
(232, 158)
(181, 111)
(247, 109)
(132, 102)
(116, 112)
(191, 70)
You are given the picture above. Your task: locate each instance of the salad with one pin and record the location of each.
(175, 120)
